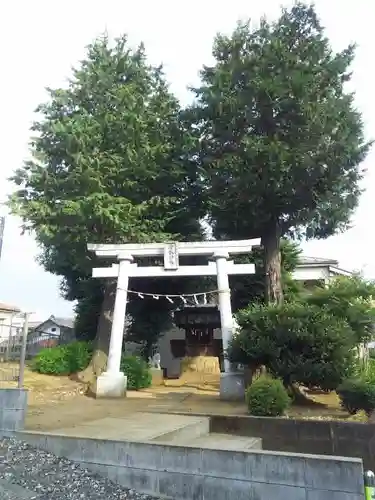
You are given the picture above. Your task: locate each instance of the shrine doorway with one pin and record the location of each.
(201, 335)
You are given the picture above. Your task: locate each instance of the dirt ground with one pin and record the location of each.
(43, 389)
(55, 402)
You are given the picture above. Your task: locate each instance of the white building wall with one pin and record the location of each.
(307, 273)
(8, 324)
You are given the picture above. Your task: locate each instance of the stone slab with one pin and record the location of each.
(138, 426)
(232, 386)
(228, 442)
(184, 433)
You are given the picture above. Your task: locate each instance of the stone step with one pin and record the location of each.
(140, 426)
(186, 432)
(227, 442)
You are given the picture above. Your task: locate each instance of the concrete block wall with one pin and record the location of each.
(13, 403)
(326, 437)
(191, 473)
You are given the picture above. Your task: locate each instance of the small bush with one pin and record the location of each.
(79, 355)
(267, 397)
(63, 359)
(51, 361)
(137, 371)
(356, 395)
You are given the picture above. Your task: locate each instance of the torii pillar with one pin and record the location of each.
(112, 383)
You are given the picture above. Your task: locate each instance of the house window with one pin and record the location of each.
(53, 329)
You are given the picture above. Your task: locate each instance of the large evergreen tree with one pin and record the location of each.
(279, 141)
(109, 166)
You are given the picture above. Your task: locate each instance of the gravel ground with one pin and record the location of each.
(29, 473)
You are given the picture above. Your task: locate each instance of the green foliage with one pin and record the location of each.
(279, 129)
(51, 361)
(267, 397)
(298, 343)
(279, 142)
(356, 395)
(74, 357)
(250, 289)
(88, 311)
(63, 359)
(293, 290)
(349, 298)
(109, 165)
(137, 371)
(365, 370)
(78, 355)
(370, 371)
(314, 340)
(106, 160)
(271, 147)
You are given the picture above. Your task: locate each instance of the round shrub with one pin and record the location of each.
(357, 395)
(63, 359)
(267, 397)
(137, 371)
(296, 342)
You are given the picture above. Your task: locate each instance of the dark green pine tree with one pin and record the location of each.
(109, 166)
(279, 141)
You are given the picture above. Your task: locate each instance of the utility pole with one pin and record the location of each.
(21, 375)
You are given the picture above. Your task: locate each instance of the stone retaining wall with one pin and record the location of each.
(181, 472)
(344, 439)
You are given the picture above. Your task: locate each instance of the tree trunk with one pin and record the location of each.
(298, 394)
(98, 361)
(272, 264)
(147, 349)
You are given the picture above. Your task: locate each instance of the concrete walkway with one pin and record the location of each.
(82, 409)
(138, 426)
(158, 428)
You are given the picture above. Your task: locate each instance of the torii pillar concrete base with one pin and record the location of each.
(232, 386)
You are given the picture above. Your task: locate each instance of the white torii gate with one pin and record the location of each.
(112, 383)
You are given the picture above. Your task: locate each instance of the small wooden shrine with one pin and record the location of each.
(200, 323)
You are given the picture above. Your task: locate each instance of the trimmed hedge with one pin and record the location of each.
(74, 357)
(267, 397)
(357, 395)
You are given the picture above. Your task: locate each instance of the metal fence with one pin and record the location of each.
(18, 345)
(13, 345)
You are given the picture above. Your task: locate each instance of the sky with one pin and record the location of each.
(42, 40)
